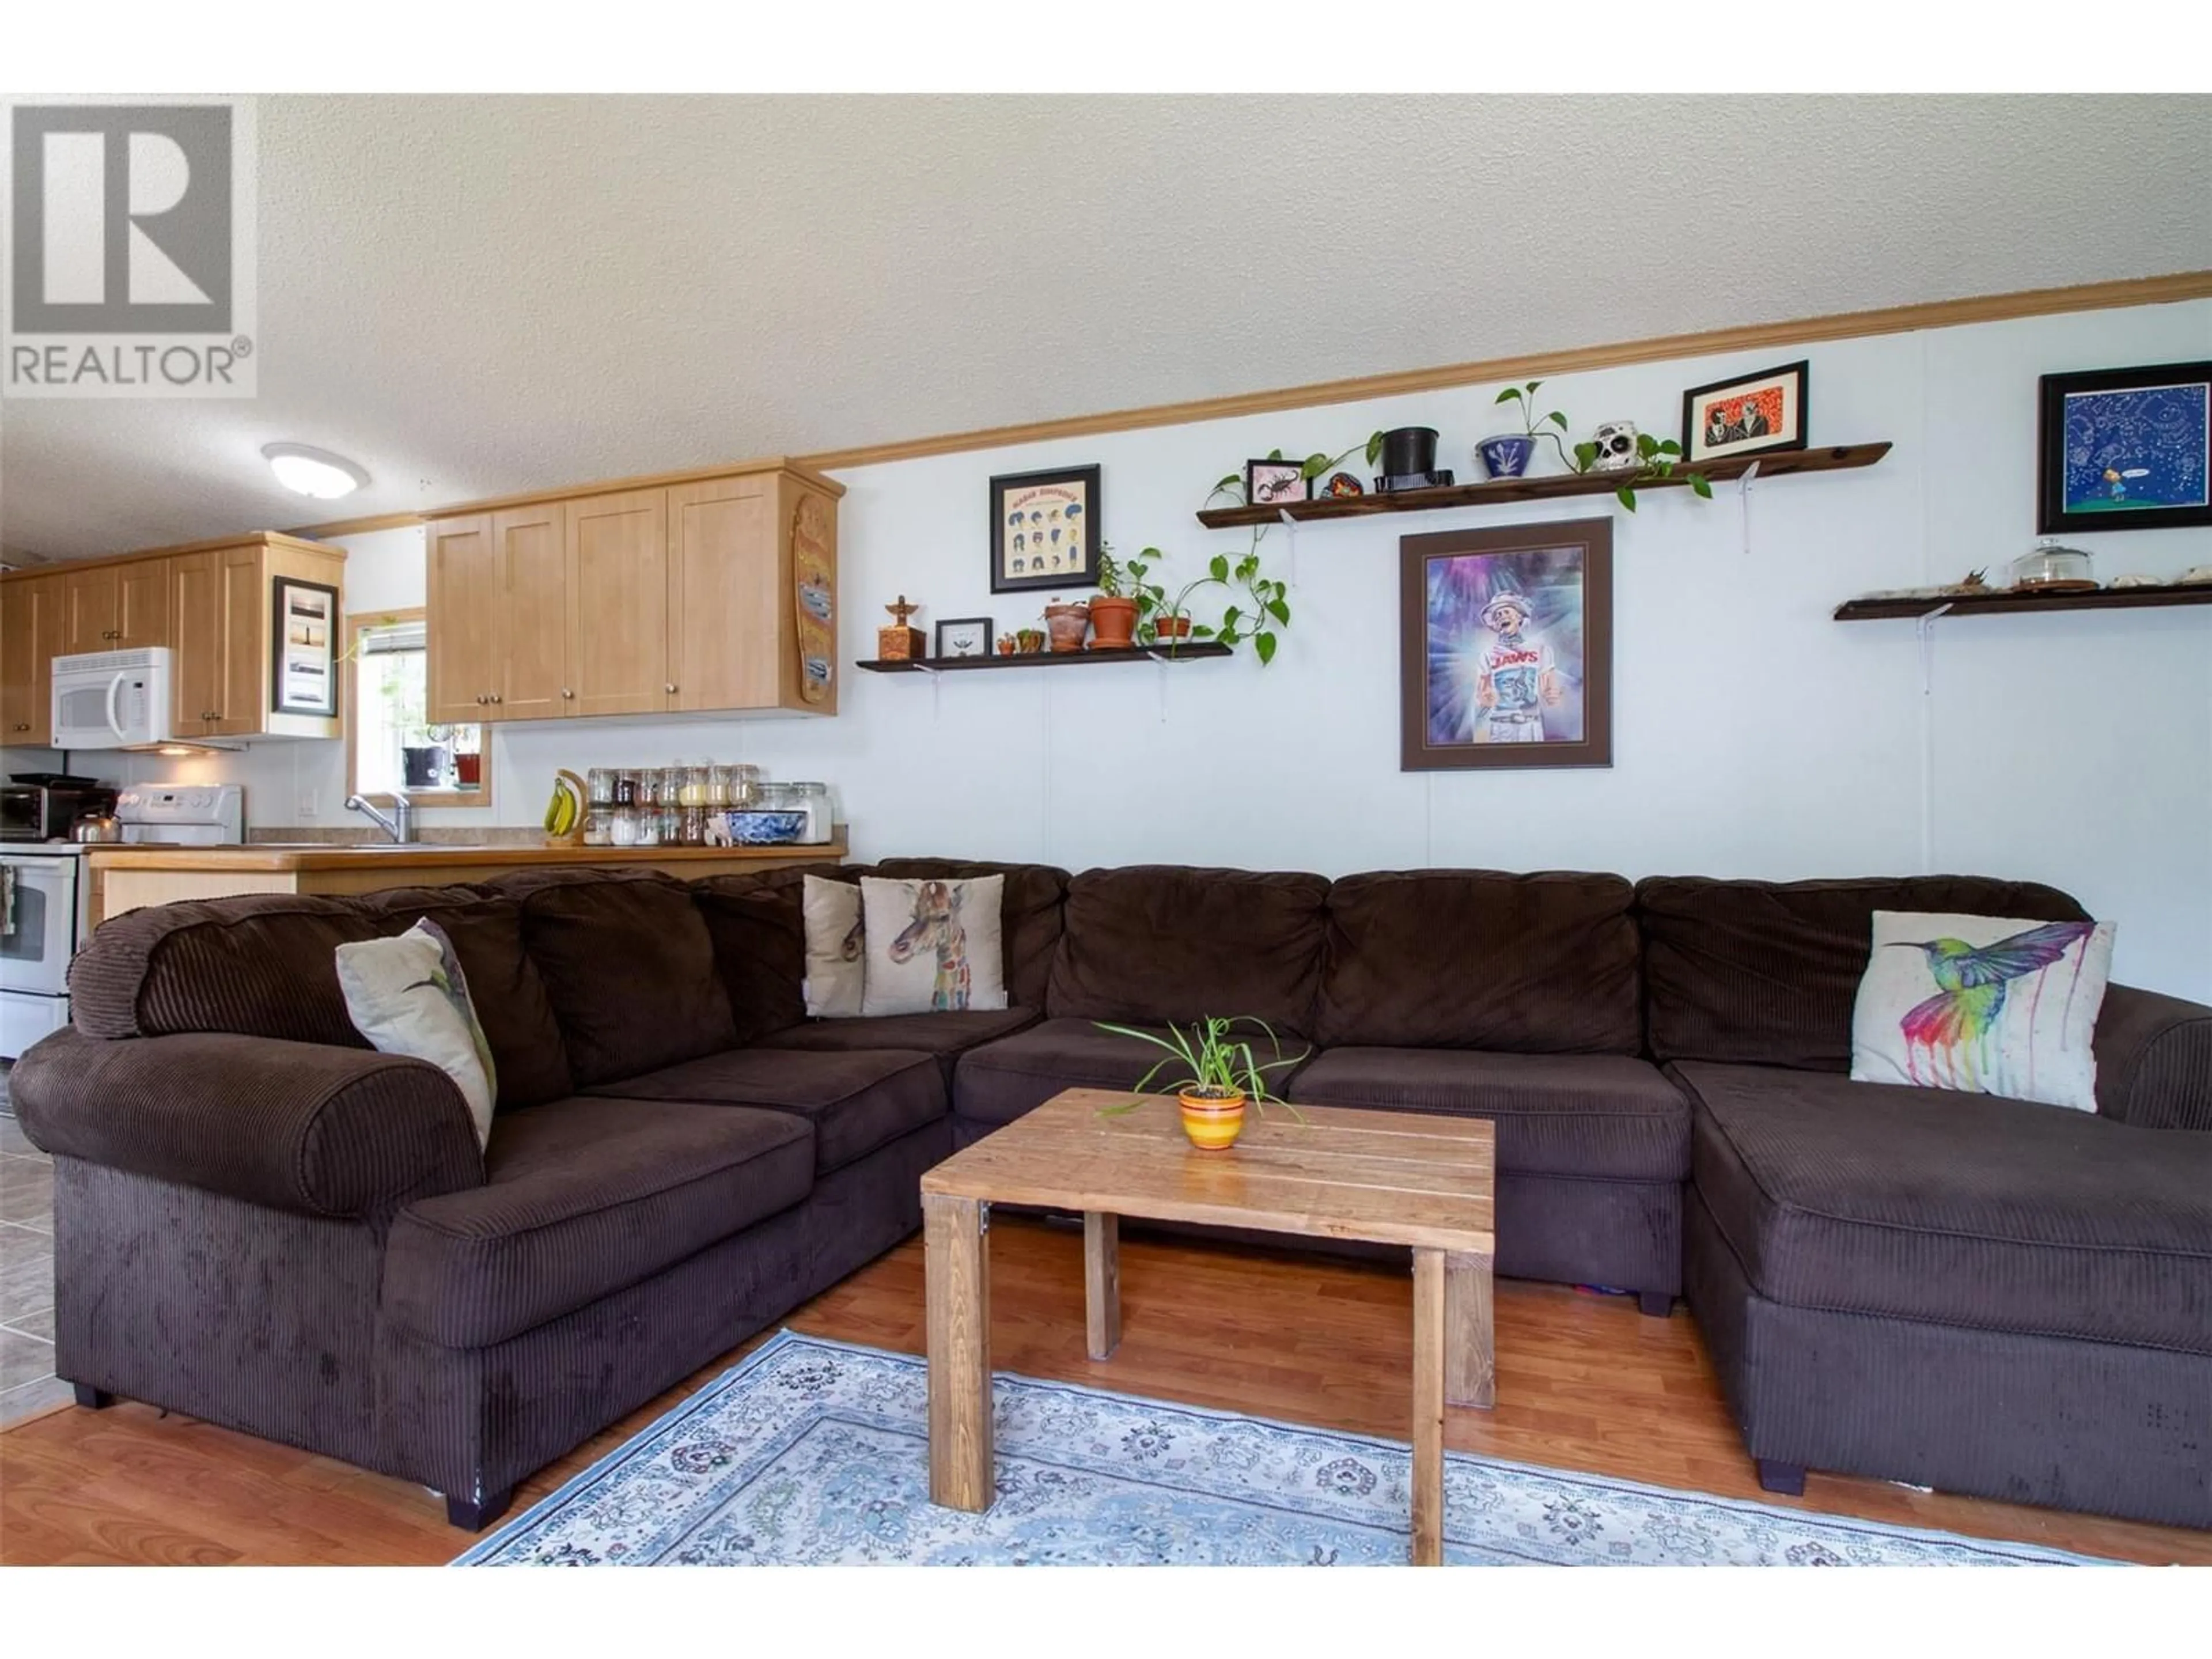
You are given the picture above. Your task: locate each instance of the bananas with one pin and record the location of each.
(565, 812)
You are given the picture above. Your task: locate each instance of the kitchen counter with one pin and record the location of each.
(127, 877)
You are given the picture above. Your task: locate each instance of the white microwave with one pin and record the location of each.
(111, 699)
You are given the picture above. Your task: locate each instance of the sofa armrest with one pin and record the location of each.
(318, 1130)
(2153, 1060)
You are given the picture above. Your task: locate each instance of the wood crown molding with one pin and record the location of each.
(1840, 325)
(800, 469)
(254, 538)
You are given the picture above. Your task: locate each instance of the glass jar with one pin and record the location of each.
(646, 832)
(672, 824)
(695, 826)
(2055, 567)
(621, 827)
(600, 786)
(672, 785)
(626, 787)
(599, 827)
(718, 786)
(744, 780)
(813, 800)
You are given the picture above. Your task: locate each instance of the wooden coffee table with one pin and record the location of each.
(1388, 1177)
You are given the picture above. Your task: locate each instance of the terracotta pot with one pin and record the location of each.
(1212, 1122)
(1067, 624)
(1171, 627)
(1028, 641)
(1113, 624)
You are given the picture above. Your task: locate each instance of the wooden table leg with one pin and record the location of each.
(1429, 1345)
(956, 1265)
(1101, 1282)
(1470, 1350)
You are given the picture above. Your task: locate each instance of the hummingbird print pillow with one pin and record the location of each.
(408, 996)
(1987, 1004)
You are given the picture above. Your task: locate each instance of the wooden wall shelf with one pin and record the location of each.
(1184, 653)
(2013, 602)
(1774, 465)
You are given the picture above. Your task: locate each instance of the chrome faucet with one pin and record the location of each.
(400, 824)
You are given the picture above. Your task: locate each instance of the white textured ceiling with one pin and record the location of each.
(476, 296)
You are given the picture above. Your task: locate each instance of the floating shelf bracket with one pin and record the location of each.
(1291, 559)
(1743, 498)
(1926, 628)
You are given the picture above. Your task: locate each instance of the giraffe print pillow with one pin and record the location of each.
(834, 972)
(933, 946)
(1983, 1003)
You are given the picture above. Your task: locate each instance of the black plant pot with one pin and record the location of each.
(422, 768)
(1407, 450)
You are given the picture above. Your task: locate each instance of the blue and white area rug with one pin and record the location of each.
(813, 1452)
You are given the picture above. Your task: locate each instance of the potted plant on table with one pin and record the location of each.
(1068, 623)
(1216, 1076)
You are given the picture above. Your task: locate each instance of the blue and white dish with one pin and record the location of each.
(755, 827)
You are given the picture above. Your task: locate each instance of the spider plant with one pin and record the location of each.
(1211, 1060)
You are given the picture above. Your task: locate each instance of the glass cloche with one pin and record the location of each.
(2052, 567)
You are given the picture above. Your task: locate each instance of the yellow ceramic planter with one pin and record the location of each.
(1213, 1124)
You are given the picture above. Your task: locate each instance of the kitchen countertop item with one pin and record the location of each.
(265, 856)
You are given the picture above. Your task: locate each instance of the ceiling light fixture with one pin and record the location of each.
(314, 472)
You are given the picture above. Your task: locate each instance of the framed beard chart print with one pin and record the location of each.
(1044, 530)
(1506, 648)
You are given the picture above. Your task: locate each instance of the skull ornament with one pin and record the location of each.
(1616, 447)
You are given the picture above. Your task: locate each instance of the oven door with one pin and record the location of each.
(37, 932)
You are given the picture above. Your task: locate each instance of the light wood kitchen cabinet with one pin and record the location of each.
(531, 629)
(682, 592)
(618, 621)
(463, 608)
(32, 635)
(222, 607)
(116, 607)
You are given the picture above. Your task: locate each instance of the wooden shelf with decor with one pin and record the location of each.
(1775, 464)
(1184, 653)
(2020, 601)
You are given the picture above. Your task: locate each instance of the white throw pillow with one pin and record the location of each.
(1988, 1003)
(408, 996)
(835, 974)
(933, 946)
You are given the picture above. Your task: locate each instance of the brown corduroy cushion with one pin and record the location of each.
(1168, 943)
(1764, 973)
(265, 964)
(629, 966)
(1541, 964)
(583, 1197)
(757, 924)
(308, 1127)
(1962, 1209)
(2153, 1060)
(1029, 913)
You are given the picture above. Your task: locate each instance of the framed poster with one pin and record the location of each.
(1748, 414)
(1505, 652)
(304, 647)
(964, 636)
(1044, 530)
(2125, 449)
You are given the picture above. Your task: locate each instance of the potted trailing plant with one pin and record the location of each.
(1656, 458)
(1266, 604)
(1311, 468)
(1215, 1075)
(1068, 623)
(1508, 455)
(1115, 612)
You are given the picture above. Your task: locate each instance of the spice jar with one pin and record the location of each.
(600, 786)
(813, 800)
(626, 787)
(621, 827)
(598, 830)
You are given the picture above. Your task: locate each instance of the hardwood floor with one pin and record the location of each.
(1584, 1382)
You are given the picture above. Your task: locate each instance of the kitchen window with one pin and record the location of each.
(391, 749)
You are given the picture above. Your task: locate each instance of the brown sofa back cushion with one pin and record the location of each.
(1537, 964)
(1029, 913)
(1157, 943)
(1764, 973)
(629, 966)
(265, 965)
(758, 928)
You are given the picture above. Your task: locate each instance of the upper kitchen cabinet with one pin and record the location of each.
(116, 607)
(698, 592)
(32, 635)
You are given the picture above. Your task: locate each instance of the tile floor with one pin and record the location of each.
(27, 1383)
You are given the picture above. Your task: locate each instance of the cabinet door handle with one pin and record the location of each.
(495, 697)
(481, 698)
(566, 692)
(670, 688)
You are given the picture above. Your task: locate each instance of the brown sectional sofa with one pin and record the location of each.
(261, 1222)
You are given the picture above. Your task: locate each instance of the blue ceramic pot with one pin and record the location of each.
(1508, 457)
(754, 827)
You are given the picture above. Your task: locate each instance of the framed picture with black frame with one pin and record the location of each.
(303, 647)
(1505, 653)
(1044, 530)
(963, 637)
(1748, 414)
(2125, 449)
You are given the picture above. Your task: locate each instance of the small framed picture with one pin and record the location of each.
(1044, 530)
(2125, 449)
(1272, 483)
(303, 646)
(967, 636)
(1747, 415)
